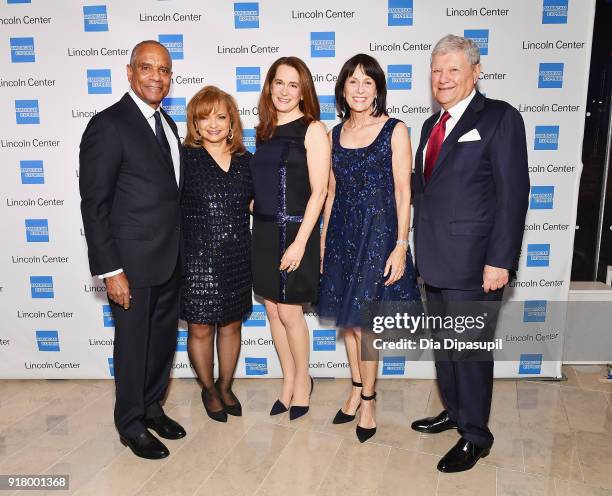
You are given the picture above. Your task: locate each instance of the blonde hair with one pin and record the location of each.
(204, 103)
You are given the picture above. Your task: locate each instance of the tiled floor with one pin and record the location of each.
(552, 438)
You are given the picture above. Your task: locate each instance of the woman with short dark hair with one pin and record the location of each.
(365, 224)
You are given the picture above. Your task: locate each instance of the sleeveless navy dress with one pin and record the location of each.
(282, 190)
(362, 232)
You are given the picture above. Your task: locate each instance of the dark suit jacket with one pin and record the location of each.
(472, 211)
(129, 196)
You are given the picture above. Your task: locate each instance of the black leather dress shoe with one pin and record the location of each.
(146, 445)
(463, 456)
(433, 425)
(165, 427)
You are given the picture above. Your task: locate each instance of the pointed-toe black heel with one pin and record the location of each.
(277, 408)
(295, 412)
(344, 418)
(363, 433)
(218, 415)
(235, 409)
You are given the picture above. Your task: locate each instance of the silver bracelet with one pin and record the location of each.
(402, 242)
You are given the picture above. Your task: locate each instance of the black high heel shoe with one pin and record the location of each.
(363, 433)
(218, 415)
(343, 418)
(234, 409)
(296, 412)
(277, 408)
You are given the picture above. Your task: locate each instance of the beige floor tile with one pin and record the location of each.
(200, 454)
(570, 375)
(246, 465)
(511, 483)
(507, 450)
(356, 470)
(589, 376)
(552, 454)
(595, 455)
(479, 481)
(566, 488)
(301, 466)
(541, 407)
(437, 444)
(408, 473)
(587, 410)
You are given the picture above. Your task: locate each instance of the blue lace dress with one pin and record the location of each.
(362, 232)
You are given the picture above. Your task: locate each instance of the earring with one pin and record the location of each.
(230, 136)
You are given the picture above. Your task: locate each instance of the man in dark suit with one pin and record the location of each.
(130, 171)
(471, 197)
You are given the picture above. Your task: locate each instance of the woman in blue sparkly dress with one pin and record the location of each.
(366, 222)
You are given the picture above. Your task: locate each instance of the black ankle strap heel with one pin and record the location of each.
(363, 433)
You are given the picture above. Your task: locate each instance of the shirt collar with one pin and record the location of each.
(144, 107)
(457, 110)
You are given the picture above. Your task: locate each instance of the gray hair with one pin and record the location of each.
(138, 46)
(453, 43)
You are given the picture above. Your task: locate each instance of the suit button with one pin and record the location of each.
(178, 228)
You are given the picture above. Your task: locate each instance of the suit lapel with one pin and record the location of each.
(143, 129)
(466, 123)
(420, 159)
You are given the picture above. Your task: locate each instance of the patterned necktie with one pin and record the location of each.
(161, 136)
(435, 144)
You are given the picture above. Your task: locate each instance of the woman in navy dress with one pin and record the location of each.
(290, 171)
(216, 291)
(366, 222)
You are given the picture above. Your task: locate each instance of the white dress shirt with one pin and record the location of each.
(149, 113)
(455, 112)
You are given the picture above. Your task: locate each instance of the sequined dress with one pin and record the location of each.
(217, 280)
(282, 190)
(362, 232)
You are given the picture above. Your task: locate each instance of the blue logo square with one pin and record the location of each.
(99, 82)
(95, 18)
(550, 75)
(534, 311)
(541, 197)
(530, 363)
(323, 44)
(22, 50)
(47, 340)
(27, 112)
(37, 230)
(399, 77)
(257, 317)
(538, 255)
(107, 316)
(111, 366)
(248, 139)
(32, 172)
(328, 107)
(41, 286)
(176, 108)
(546, 138)
(394, 365)
(256, 366)
(246, 15)
(324, 340)
(248, 79)
(555, 11)
(480, 37)
(400, 13)
(181, 340)
(18, 1)
(174, 44)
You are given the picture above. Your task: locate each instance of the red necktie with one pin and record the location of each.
(434, 144)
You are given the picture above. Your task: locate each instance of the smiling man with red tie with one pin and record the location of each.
(471, 197)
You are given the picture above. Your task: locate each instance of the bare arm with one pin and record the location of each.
(402, 168)
(329, 202)
(318, 155)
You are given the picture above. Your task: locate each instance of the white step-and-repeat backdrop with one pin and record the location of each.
(63, 61)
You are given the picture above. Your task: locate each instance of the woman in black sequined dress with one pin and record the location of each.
(216, 291)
